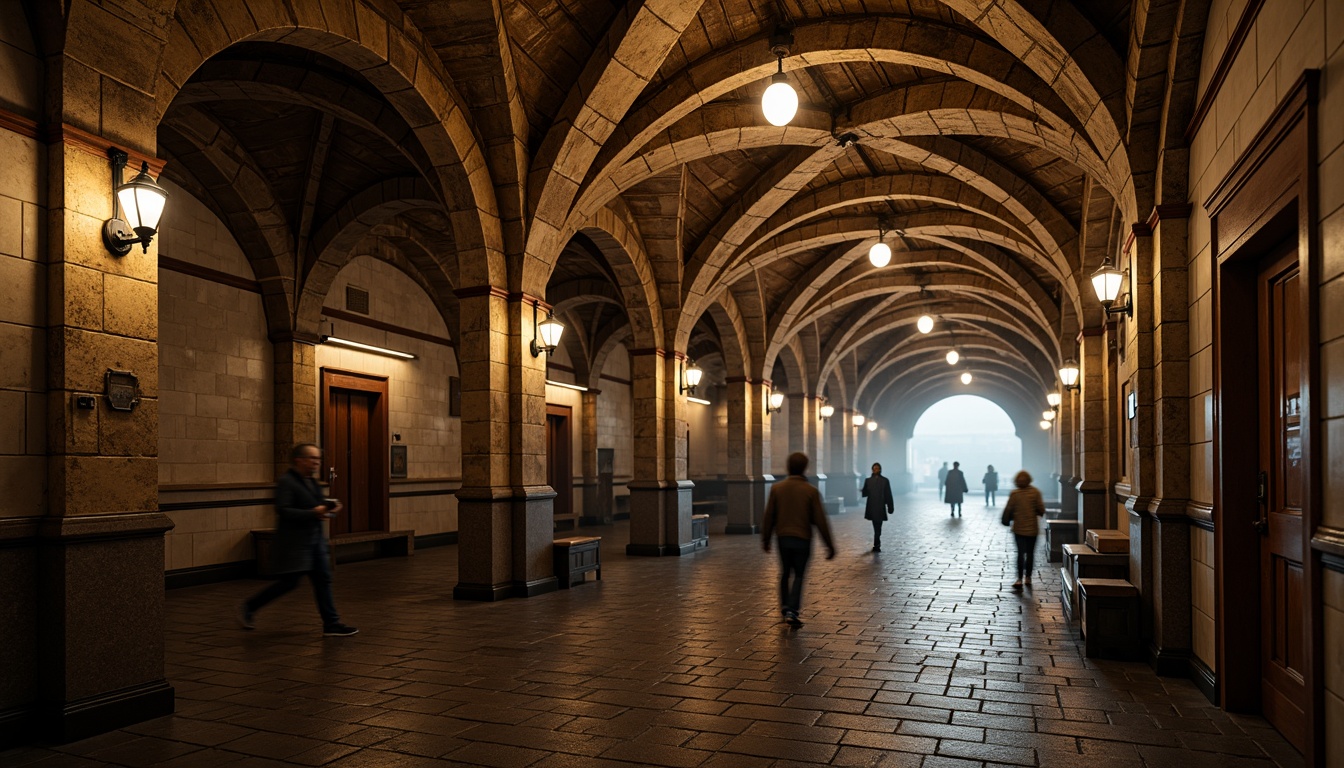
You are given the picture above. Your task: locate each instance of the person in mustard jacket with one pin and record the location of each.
(1024, 511)
(793, 510)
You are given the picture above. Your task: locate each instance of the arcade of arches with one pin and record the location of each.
(433, 177)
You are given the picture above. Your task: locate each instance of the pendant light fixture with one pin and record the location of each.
(780, 101)
(880, 254)
(924, 324)
(966, 378)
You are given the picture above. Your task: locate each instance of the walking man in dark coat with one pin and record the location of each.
(301, 543)
(877, 490)
(955, 488)
(793, 510)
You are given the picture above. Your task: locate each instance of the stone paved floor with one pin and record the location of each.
(918, 656)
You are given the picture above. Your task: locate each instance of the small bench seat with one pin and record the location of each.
(700, 531)
(575, 556)
(1110, 618)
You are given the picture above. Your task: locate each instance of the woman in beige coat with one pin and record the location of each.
(1024, 511)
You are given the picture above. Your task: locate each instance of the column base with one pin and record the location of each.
(489, 593)
(80, 719)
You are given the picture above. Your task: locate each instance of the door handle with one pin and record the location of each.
(331, 475)
(1261, 526)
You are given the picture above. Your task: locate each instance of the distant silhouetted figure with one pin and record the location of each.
(942, 477)
(793, 510)
(1024, 510)
(877, 490)
(991, 482)
(954, 488)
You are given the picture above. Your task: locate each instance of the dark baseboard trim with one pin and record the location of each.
(17, 727)
(677, 550)
(1332, 563)
(430, 540)
(1169, 662)
(482, 593)
(739, 528)
(105, 712)
(534, 588)
(643, 550)
(1205, 679)
(595, 520)
(209, 574)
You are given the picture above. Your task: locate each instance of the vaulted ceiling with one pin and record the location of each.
(638, 187)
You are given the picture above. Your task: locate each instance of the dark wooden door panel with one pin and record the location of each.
(1283, 613)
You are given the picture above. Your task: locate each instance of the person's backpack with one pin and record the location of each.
(1007, 517)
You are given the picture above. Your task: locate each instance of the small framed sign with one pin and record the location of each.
(1131, 404)
(122, 389)
(398, 461)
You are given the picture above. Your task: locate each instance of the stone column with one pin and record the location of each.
(99, 642)
(647, 516)
(677, 494)
(748, 477)
(505, 509)
(902, 479)
(840, 476)
(597, 501)
(1068, 478)
(294, 367)
(1093, 495)
(803, 436)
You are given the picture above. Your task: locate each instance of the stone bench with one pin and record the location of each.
(1110, 618)
(575, 556)
(1083, 562)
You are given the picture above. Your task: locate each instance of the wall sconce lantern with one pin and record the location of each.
(1048, 415)
(137, 207)
(780, 101)
(1045, 424)
(858, 419)
(872, 426)
(690, 378)
(1068, 374)
(776, 403)
(827, 411)
(549, 331)
(1053, 400)
(924, 324)
(1106, 281)
(966, 378)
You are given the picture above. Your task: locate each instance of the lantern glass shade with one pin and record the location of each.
(693, 374)
(1045, 424)
(858, 419)
(952, 357)
(1048, 415)
(142, 202)
(1106, 282)
(780, 101)
(872, 426)
(550, 330)
(1068, 374)
(966, 378)
(776, 400)
(880, 254)
(924, 324)
(827, 411)
(1053, 399)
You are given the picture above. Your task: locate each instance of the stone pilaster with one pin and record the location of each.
(840, 476)
(1092, 454)
(598, 503)
(649, 488)
(294, 367)
(748, 477)
(99, 550)
(505, 509)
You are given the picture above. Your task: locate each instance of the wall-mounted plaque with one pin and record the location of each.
(398, 461)
(122, 389)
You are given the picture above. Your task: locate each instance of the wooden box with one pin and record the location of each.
(1108, 542)
(700, 531)
(1110, 618)
(575, 556)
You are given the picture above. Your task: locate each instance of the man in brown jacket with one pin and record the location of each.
(793, 509)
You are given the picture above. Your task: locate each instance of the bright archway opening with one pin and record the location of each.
(971, 430)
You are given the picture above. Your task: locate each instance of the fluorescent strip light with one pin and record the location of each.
(567, 386)
(690, 399)
(367, 348)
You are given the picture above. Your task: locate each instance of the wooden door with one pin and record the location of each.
(355, 461)
(559, 460)
(1281, 490)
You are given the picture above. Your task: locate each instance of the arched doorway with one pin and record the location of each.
(969, 429)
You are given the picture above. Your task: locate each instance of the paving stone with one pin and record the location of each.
(921, 660)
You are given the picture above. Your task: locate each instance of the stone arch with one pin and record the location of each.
(614, 231)
(363, 37)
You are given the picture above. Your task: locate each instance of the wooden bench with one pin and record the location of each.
(575, 556)
(700, 531)
(1110, 613)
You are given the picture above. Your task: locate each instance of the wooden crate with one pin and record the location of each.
(575, 556)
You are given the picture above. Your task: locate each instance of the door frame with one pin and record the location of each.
(566, 493)
(334, 378)
(1268, 199)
